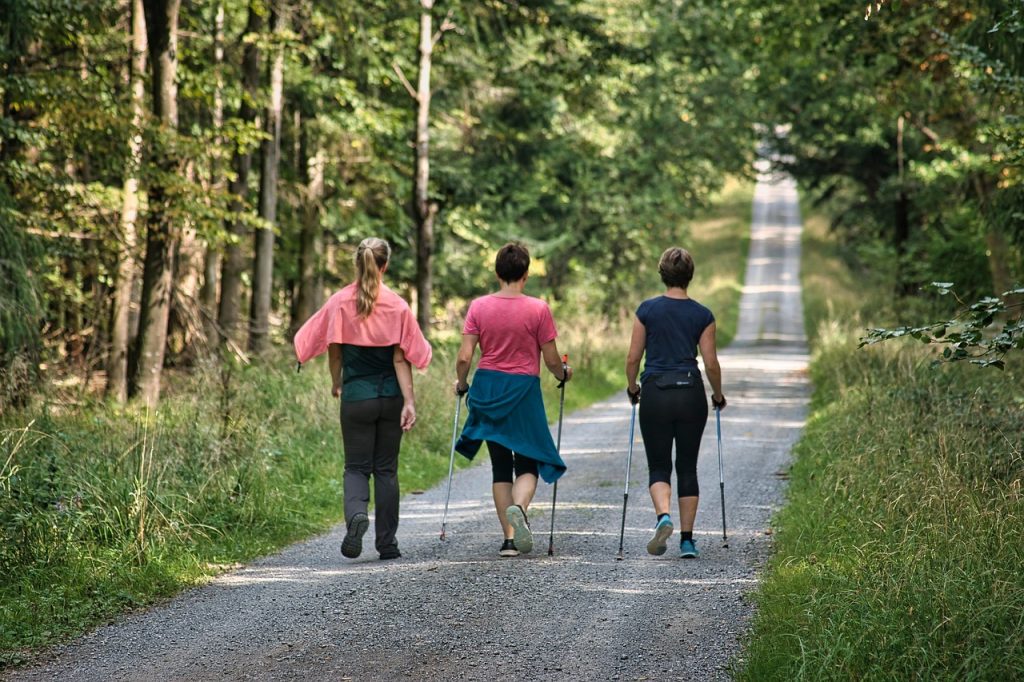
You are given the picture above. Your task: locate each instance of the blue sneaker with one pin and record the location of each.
(662, 532)
(688, 549)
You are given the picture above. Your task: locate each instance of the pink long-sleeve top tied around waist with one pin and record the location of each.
(390, 324)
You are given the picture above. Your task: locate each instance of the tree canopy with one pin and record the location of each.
(592, 130)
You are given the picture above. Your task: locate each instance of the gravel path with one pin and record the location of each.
(455, 610)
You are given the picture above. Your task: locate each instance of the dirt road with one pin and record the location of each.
(458, 611)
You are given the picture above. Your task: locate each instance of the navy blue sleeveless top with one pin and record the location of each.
(674, 327)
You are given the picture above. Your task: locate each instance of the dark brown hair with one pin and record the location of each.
(512, 262)
(676, 267)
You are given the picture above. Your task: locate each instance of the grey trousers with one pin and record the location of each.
(371, 433)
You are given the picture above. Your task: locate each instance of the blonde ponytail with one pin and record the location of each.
(372, 257)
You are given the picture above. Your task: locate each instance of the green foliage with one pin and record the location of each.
(594, 131)
(595, 134)
(908, 125)
(898, 551)
(966, 336)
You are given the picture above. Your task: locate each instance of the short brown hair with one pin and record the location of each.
(512, 262)
(676, 267)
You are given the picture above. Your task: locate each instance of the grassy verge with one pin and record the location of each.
(103, 509)
(900, 552)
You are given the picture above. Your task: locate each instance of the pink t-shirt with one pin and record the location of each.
(511, 332)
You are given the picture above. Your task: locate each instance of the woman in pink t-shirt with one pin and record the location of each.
(506, 409)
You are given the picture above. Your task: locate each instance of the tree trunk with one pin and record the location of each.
(996, 245)
(161, 238)
(425, 209)
(186, 326)
(211, 261)
(270, 152)
(901, 216)
(117, 361)
(307, 300)
(234, 254)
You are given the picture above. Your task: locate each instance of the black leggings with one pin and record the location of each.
(504, 461)
(667, 415)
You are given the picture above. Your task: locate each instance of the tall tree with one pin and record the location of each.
(270, 153)
(117, 361)
(211, 261)
(426, 210)
(311, 166)
(162, 235)
(234, 255)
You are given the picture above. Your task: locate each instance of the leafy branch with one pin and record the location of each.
(967, 335)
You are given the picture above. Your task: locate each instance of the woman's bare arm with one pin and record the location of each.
(712, 368)
(463, 361)
(334, 364)
(637, 345)
(403, 370)
(553, 361)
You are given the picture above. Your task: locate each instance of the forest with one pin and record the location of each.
(178, 179)
(182, 184)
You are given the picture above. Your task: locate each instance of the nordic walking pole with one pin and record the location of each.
(721, 473)
(558, 448)
(451, 464)
(625, 493)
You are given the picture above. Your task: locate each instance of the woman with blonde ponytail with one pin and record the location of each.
(372, 341)
(372, 258)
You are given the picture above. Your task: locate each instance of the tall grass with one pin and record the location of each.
(900, 552)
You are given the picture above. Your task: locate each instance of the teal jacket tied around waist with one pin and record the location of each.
(509, 409)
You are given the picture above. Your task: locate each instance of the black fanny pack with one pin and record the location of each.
(684, 379)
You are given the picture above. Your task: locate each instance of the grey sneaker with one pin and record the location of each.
(523, 538)
(352, 545)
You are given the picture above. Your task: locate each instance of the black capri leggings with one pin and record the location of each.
(504, 462)
(667, 415)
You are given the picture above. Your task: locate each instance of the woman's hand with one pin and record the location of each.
(633, 391)
(718, 401)
(408, 416)
(335, 389)
(461, 389)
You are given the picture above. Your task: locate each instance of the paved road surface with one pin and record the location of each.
(457, 611)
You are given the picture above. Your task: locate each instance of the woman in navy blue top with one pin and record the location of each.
(670, 329)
